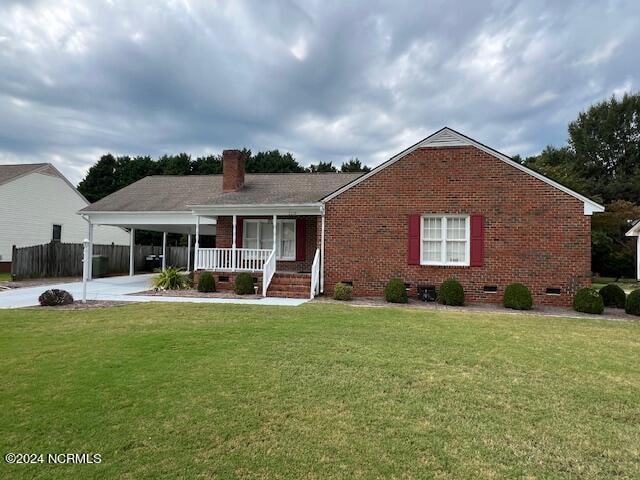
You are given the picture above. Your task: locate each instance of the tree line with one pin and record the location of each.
(112, 173)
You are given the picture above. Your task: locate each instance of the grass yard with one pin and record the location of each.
(319, 391)
(5, 277)
(627, 284)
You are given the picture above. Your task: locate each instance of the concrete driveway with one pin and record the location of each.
(118, 289)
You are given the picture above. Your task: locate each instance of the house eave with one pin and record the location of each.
(314, 208)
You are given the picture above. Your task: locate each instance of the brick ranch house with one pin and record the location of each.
(447, 206)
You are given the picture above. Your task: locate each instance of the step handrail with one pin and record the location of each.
(268, 270)
(315, 275)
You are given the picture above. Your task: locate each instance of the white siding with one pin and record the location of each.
(31, 205)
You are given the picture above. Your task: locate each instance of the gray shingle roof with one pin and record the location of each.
(11, 172)
(176, 193)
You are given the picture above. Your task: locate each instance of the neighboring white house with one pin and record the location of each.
(635, 232)
(39, 205)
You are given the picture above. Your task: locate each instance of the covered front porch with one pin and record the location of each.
(281, 246)
(282, 250)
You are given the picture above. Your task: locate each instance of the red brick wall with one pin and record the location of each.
(224, 239)
(534, 233)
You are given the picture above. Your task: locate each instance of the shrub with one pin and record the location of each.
(55, 297)
(588, 300)
(206, 282)
(171, 279)
(395, 291)
(613, 296)
(518, 297)
(451, 293)
(342, 291)
(633, 303)
(244, 284)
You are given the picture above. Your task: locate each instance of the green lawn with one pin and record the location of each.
(319, 392)
(5, 277)
(627, 284)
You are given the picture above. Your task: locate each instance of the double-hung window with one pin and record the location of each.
(259, 234)
(445, 240)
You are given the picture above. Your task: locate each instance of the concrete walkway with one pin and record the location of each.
(118, 289)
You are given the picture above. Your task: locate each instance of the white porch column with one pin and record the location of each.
(195, 253)
(275, 222)
(638, 256)
(132, 252)
(188, 252)
(85, 268)
(90, 264)
(322, 252)
(164, 251)
(233, 245)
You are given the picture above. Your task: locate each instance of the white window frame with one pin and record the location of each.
(443, 240)
(261, 222)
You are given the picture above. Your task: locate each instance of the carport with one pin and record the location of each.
(184, 223)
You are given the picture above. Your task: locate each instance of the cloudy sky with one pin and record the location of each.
(324, 80)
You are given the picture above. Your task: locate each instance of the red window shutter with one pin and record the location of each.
(477, 240)
(239, 225)
(413, 250)
(300, 238)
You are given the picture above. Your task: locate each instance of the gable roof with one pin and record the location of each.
(179, 193)
(9, 173)
(447, 137)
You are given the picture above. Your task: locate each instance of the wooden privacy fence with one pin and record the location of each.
(65, 259)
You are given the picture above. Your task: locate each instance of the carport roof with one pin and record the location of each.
(173, 193)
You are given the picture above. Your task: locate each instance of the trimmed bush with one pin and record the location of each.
(633, 303)
(342, 291)
(588, 300)
(451, 293)
(395, 291)
(244, 284)
(206, 283)
(55, 297)
(613, 296)
(172, 279)
(518, 297)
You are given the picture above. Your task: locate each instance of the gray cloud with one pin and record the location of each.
(324, 80)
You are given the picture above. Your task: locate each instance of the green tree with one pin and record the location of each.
(606, 142)
(211, 164)
(322, 167)
(271, 162)
(354, 165)
(612, 251)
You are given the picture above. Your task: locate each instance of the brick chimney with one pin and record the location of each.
(232, 170)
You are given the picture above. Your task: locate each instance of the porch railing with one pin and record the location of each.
(315, 274)
(223, 259)
(268, 271)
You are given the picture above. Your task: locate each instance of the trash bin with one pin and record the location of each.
(427, 293)
(100, 266)
(152, 262)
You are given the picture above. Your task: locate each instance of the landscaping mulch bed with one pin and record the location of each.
(193, 294)
(540, 310)
(78, 305)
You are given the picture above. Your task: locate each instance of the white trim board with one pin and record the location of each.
(634, 231)
(447, 137)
